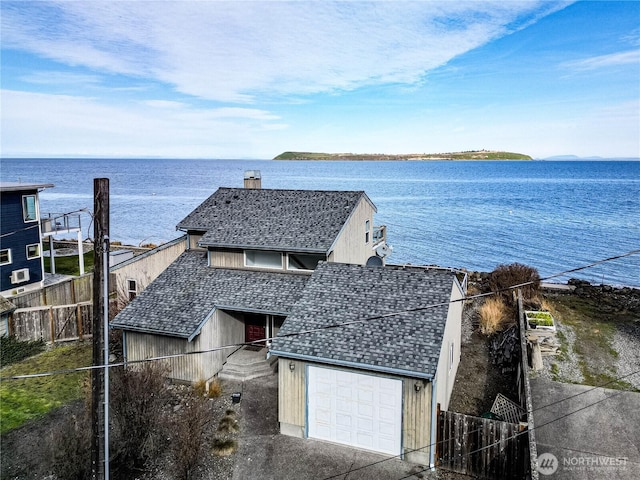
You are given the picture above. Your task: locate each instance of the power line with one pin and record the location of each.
(335, 325)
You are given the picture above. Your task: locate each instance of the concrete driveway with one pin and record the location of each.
(265, 454)
(600, 440)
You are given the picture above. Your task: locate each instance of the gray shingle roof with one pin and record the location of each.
(294, 220)
(184, 295)
(337, 293)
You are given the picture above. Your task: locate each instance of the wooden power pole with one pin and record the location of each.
(100, 276)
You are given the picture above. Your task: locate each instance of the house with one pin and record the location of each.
(21, 262)
(250, 252)
(367, 354)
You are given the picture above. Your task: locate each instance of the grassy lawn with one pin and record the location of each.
(594, 328)
(69, 265)
(25, 399)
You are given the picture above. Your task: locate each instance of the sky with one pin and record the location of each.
(245, 79)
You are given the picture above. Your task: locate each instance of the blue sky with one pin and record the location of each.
(214, 79)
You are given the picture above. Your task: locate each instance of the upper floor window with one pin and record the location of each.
(132, 289)
(5, 256)
(303, 261)
(263, 259)
(29, 208)
(33, 251)
(367, 231)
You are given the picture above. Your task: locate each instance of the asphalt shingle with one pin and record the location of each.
(338, 293)
(184, 295)
(293, 220)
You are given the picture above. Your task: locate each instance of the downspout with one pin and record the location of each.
(124, 347)
(434, 438)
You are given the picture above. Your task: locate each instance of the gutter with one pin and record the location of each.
(356, 365)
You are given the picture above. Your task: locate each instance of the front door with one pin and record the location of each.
(254, 327)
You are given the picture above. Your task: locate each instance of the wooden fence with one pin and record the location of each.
(70, 292)
(481, 447)
(52, 323)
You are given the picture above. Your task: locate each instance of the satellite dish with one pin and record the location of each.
(374, 261)
(383, 250)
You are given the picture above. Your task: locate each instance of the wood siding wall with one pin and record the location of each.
(226, 258)
(445, 376)
(145, 268)
(416, 421)
(220, 329)
(292, 393)
(350, 246)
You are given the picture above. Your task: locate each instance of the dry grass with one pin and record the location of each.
(224, 447)
(215, 389)
(493, 315)
(228, 424)
(200, 388)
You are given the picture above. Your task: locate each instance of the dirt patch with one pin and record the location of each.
(478, 380)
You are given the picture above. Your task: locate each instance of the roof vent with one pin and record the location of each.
(252, 179)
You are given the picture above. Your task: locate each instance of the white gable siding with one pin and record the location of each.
(350, 246)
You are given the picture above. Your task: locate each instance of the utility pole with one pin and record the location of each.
(100, 323)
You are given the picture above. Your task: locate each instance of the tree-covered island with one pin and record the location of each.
(469, 155)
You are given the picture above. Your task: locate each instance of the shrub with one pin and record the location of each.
(188, 429)
(138, 421)
(200, 388)
(13, 350)
(506, 276)
(224, 447)
(71, 449)
(493, 314)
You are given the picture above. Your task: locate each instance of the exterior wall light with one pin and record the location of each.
(292, 366)
(417, 386)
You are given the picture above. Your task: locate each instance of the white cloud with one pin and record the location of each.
(631, 57)
(238, 51)
(71, 125)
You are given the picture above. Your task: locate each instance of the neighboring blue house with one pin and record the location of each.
(21, 264)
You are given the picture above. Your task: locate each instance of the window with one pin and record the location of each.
(263, 259)
(132, 289)
(33, 251)
(367, 231)
(303, 261)
(29, 210)
(5, 256)
(451, 356)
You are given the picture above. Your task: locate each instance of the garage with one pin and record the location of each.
(360, 410)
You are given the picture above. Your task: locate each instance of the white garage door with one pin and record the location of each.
(363, 411)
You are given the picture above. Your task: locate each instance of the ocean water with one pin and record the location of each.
(554, 216)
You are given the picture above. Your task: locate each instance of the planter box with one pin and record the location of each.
(540, 320)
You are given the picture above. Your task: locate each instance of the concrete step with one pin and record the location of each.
(246, 364)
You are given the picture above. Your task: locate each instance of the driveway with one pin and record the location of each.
(600, 440)
(265, 454)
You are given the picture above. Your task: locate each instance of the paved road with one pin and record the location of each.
(600, 440)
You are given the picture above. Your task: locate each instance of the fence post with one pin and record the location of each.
(79, 320)
(52, 326)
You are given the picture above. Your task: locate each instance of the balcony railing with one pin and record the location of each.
(379, 234)
(60, 223)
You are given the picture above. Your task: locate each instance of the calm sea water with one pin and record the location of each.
(554, 216)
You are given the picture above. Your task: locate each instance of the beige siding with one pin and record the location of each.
(194, 238)
(446, 373)
(416, 420)
(292, 399)
(145, 268)
(221, 329)
(350, 246)
(226, 258)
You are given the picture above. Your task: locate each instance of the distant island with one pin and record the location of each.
(469, 155)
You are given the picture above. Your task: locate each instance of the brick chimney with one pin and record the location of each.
(252, 179)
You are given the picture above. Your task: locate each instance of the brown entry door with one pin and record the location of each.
(254, 328)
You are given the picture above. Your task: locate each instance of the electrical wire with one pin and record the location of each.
(331, 326)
